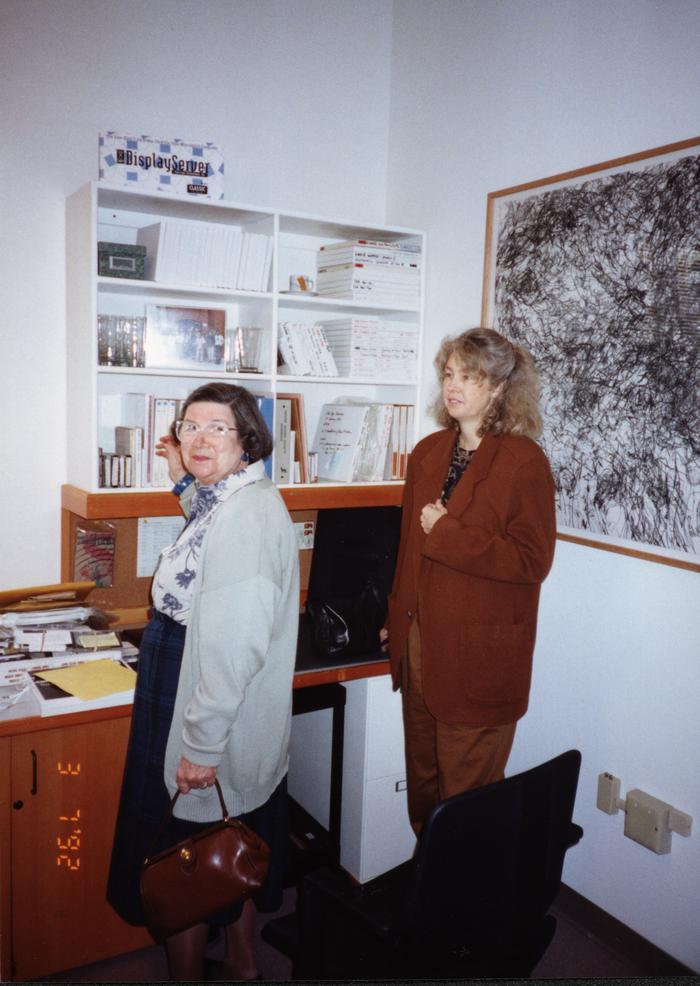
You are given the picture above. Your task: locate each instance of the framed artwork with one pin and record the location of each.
(185, 338)
(597, 273)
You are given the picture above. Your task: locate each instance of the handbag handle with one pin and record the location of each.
(169, 810)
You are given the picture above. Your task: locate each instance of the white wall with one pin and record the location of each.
(487, 94)
(297, 94)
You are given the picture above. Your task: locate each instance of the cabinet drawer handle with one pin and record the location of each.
(34, 773)
(400, 786)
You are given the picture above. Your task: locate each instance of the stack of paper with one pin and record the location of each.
(371, 271)
(90, 684)
(371, 348)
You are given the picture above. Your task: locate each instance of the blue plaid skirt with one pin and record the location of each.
(144, 796)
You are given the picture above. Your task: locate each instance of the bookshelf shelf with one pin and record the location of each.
(161, 503)
(245, 379)
(314, 302)
(137, 288)
(364, 381)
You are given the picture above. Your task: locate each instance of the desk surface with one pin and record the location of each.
(310, 670)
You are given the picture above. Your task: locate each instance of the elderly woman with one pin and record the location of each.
(477, 540)
(214, 689)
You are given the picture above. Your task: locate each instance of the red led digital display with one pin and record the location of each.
(69, 839)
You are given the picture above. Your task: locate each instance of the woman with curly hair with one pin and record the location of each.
(477, 541)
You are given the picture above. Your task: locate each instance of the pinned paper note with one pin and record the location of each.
(94, 679)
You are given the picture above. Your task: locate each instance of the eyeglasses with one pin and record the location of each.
(187, 431)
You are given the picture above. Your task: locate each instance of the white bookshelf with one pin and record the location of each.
(97, 212)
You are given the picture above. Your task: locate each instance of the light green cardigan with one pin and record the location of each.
(234, 698)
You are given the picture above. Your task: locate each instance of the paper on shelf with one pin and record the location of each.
(155, 534)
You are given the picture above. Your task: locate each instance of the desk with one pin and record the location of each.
(60, 778)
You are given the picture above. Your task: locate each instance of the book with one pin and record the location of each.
(163, 415)
(266, 404)
(283, 453)
(372, 459)
(410, 419)
(298, 426)
(399, 254)
(375, 272)
(129, 442)
(339, 439)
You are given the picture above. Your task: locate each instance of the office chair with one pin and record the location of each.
(473, 901)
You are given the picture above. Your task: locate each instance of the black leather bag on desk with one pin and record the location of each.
(348, 627)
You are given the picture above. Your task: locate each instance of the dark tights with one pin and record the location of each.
(185, 951)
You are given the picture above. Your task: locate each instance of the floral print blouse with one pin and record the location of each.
(173, 582)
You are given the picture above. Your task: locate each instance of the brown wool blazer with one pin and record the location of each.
(475, 579)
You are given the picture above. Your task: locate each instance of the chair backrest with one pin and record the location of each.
(489, 861)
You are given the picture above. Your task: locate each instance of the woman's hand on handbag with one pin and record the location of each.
(430, 514)
(192, 776)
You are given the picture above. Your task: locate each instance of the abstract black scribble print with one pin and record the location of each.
(601, 281)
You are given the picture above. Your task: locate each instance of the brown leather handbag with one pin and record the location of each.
(187, 883)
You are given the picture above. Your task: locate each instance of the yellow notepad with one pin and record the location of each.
(94, 679)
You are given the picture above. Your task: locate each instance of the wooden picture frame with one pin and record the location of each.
(185, 338)
(597, 273)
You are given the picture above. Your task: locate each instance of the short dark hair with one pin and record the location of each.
(253, 433)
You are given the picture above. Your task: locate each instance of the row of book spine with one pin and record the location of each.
(117, 471)
(364, 441)
(373, 348)
(138, 422)
(207, 255)
(365, 347)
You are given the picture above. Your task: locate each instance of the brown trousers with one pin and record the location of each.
(443, 759)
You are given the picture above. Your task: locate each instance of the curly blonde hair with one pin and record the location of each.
(515, 409)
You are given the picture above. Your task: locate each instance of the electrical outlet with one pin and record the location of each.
(608, 793)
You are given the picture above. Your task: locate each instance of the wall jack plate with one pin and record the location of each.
(648, 820)
(609, 794)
